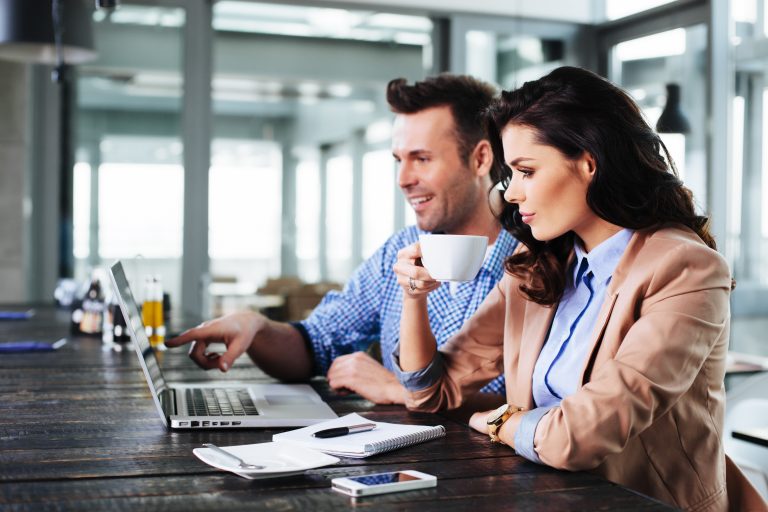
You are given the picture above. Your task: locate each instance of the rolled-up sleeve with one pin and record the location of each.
(526, 432)
(467, 362)
(418, 379)
(347, 321)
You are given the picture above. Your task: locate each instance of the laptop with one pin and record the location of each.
(216, 404)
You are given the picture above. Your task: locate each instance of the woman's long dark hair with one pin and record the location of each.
(577, 111)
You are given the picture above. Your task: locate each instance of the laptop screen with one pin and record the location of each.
(139, 336)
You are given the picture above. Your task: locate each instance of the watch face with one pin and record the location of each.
(494, 416)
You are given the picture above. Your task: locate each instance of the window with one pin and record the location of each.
(339, 218)
(128, 125)
(82, 213)
(307, 222)
(511, 59)
(378, 199)
(139, 213)
(244, 210)
(141, 198)
(736, 190)
(615, 9)
(644, 66)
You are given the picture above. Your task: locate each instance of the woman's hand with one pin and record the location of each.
(411, 275)
(417, 343)
(478, 421)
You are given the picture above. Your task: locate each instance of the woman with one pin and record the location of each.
(611, 325)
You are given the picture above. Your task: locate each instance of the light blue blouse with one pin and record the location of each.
(561, 361)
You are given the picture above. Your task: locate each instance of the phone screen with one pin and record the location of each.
(383, 478)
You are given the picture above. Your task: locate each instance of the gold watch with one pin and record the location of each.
(497, 417)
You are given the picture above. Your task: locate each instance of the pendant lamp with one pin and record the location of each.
(672, 119)
(27, 31)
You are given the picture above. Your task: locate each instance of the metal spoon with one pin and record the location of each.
(241, 462)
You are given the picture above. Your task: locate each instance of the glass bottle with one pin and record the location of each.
(152, 312)
(147, 309)
(158, 336)
(93, 309)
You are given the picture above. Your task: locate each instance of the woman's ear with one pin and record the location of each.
(587, 166)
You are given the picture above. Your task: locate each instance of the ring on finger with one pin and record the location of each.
(412, 284)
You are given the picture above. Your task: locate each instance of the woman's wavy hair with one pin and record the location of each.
(577, 111)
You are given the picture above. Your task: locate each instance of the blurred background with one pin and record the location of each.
(240, 149)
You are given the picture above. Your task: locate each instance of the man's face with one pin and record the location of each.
(442, 190)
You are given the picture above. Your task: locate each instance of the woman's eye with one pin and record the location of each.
(525, 172)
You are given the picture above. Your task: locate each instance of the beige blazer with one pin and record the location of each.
(648, 413)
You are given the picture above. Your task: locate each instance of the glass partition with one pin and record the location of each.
(615, 9)
(645, 66)
(378, 199)
(244, 211)
(129, 174)
(339, 217)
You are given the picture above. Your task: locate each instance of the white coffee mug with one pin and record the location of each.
(453, 257)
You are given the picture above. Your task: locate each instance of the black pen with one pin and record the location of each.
(343, 431)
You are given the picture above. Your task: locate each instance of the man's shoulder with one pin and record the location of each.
(402, 238)
(504, 246)
(385, 256)
(406, 236)
(506, 242)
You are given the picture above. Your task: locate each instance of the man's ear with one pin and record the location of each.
(481, 158)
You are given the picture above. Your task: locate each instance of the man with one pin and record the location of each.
(444, 162)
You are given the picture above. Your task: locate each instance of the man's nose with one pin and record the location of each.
(405, 175)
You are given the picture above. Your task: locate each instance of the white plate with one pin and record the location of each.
(278, 459)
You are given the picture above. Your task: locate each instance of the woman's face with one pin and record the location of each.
(550, 190)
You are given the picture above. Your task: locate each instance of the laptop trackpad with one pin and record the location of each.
(288, 400)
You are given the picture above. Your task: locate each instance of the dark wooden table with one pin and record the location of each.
(753, 435)
(78, 430)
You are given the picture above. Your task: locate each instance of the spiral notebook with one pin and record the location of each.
(384, 438)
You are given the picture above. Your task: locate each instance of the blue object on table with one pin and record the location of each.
(31, 346)
(17, 315)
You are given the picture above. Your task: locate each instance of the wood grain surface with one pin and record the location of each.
(79, 431)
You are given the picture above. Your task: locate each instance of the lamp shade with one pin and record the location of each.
(672, 119)
(26, 31)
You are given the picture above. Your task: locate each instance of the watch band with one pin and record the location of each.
(493, 427)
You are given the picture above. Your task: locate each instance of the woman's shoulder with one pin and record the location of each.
(678, 239)
(674, 253)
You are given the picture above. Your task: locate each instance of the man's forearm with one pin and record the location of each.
(396, 393)
(279, 349)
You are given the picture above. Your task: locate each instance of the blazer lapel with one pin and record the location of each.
(597, 335)
(611, 294)
(538, 318)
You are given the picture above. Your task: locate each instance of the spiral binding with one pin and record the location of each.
(405, 440)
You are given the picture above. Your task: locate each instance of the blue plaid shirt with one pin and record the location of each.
(369, 307)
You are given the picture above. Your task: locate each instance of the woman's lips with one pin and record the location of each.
(527, 217)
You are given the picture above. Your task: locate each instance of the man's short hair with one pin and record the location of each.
(467, 97)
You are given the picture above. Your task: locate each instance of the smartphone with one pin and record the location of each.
(380, 483)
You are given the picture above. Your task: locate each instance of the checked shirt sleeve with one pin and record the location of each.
(349, 320)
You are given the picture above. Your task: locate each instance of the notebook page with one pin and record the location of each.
(385, 437)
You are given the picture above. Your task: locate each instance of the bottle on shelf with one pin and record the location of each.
(152, 312)
(91, 311)
(115, 332)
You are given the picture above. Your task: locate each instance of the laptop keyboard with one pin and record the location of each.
(220, 402)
